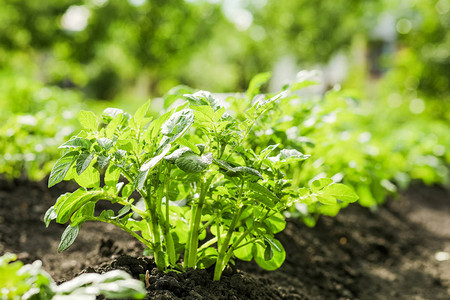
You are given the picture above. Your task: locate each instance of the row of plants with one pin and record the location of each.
(209, 182)
(31, 282)
(34, 120)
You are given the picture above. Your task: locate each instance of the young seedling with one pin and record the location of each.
(189, 183)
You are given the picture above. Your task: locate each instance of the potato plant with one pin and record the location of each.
(192, 188)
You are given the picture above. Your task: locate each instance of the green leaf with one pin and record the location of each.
(127, 190)
(268, 252)
(86, 211)
(264, 104)
(88, 120)
(122, 212)
(291, 153)
(326, 199)
(112, 175)
(61, 167)
(112, 126)
(277, 259)
(68, 203)
(103, 161)
(184, 142)
(201, 98)
(77, 142)
(176, 93)
(177, 125)
(244, 252)
(141, 112)
(304, 79)
(155, 127)
(341, 192)
(68, 237)
(190, 162)
(264, 153)
(262, 194)
(256, 83)
(83, 161)
(275, 223)
(245, 172)
(145, 168)
(110, 113)
(172, 158)
(319, 184)
(105, 143)
(50, 215)
(89, 179)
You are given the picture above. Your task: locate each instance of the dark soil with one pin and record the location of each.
(360, 254)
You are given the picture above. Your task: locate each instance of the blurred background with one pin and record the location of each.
(60, 56)
(135, 49)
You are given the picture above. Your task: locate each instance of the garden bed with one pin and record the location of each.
(361, 254)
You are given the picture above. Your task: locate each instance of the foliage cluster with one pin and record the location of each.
(204, 190)
(19, 281)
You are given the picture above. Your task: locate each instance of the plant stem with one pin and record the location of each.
(223, 248)
(170, 246)
(154, 228)
(192, 244)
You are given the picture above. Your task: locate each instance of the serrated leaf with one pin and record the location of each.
(88, 120)
(68, 237)
(341, 192)
(83, 161)
(190, 162)
(61, 167)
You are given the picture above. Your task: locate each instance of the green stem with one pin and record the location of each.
(154, 229)
(123, 227)
(223, 248)
(170, 246)
(192, 244)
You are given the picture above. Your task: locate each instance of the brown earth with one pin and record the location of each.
(390, 253)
